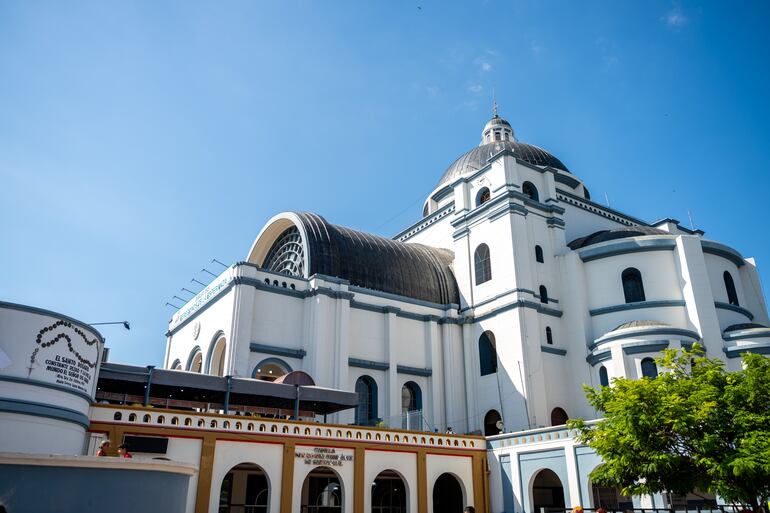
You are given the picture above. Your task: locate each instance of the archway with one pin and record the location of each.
(447, 495)
(216, 357)
(491, 420)
(610, 498)
(245, 489)
(389, 493)
(321, 492)
(411, 406)
(547, 491)
(270, 369)
(559, 417)
(195, 361)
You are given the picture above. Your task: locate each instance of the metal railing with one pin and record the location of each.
(719, 508)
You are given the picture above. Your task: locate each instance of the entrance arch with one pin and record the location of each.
(389, 493)
(447, 494)
(215, 363)
(322, 492)
(490, 423)
(547, 491)
(245, 488)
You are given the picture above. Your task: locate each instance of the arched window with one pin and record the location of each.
(604, 379)
(411, 406)
(543, 294)
(559, 417)
(548, 335)
(483, 264)
(539, 254)
(195, 360)
(487, 353)
(270, 369)
(530, 191)
(633, 289)
(483, 196)
(649, 369)
(366, 411)
(732, 296)
(492, 423)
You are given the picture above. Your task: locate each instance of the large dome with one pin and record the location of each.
(498, 136)
(478, 157)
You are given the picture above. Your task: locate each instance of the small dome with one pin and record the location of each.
(497, 122)
(641, 324)
(618, 233)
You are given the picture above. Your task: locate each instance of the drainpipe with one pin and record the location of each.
(227, 394)
(296, 403)
(148, 385)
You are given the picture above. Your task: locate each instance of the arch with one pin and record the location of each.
(633, 288)
(649, 368)
(411, 405)
(487, 353)
(548, 335)
(608, 497)
(177, 365)
(389, 493)
(543, 294)
(491, 420)
(366, 411)
(322, 492)
(132, 417)
(270, 369)
(732, 295)
(530, 191)
(547, 491)
(215, 357)
(559, 417)
(483, 196)
(448, 494)
(604, 379)
(539, 254)
(245, 487)
(482, 263)
(117, 416)
(195, 360)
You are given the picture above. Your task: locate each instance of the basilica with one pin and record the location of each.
(486, 316)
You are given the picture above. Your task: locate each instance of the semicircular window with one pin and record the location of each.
(287, 254)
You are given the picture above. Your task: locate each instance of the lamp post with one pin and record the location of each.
(124, 323)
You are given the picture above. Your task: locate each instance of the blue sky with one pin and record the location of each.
(139, 140)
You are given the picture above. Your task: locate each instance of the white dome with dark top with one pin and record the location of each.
(498, 136)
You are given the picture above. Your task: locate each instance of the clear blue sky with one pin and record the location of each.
(139, 140)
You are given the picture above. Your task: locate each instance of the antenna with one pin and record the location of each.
(607, 199)
(204, 270)
(213, 260)
(689, 215)
(198, 282)
(494, 103)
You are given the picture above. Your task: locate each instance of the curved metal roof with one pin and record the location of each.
(641, 324)
(618, 233)
(478, 157)
(374, 262)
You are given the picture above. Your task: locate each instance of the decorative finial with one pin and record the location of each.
(494, 104)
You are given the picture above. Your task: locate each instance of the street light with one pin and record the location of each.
(124, 323)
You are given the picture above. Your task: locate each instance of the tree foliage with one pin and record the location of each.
(695, 426)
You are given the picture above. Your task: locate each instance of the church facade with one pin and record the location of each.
(485, 316)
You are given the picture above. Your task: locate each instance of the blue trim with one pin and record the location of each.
(176, 362)
(267, 361)
(734, 308)
(34, 409)
(53, 386)
(715, 248)
(636, 332)
(663, 303)
(277, 350)
(553, 350)
(368, 364)
(195, 350)
(51, 313)
(645, 347)
(507, 293)
(213, 299)
(628, 246)
(413, 371)
(736, 351)
(569, 181)
(747, 334)
(589, 205)
(593, 359)
(521, 303)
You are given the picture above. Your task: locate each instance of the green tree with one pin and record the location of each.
(694, 426)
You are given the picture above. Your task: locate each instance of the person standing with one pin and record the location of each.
(103, 448)
(123, 451)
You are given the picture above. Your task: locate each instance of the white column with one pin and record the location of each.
(470, 378)
(391, 380)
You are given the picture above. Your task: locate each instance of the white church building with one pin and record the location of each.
(485, 316)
